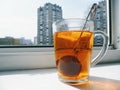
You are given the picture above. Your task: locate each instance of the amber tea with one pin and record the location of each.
(73, 62)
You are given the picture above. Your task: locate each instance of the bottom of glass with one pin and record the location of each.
(74, 82)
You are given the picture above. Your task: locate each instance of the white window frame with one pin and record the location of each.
(12, 58)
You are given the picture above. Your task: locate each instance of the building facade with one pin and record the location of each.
(46, 16)
(100, 21)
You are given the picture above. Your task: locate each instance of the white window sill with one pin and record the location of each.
(31, 58)
(101, 78)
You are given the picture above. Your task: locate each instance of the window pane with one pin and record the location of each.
(29, 22)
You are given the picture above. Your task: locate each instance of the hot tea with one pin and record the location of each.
(73, 60)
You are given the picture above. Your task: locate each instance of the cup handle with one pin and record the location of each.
(103, 51)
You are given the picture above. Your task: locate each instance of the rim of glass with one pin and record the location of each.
(72, 19)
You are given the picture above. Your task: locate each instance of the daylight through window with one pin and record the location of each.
(30, 22)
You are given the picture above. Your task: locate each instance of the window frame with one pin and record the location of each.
(31, 57)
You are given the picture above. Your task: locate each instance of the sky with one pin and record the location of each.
(18, 18)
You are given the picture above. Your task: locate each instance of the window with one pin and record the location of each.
(24, 18)
(22, 47)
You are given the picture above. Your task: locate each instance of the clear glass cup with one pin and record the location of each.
(73, 44)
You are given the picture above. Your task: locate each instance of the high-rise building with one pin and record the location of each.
(100, 21)
(46, 16)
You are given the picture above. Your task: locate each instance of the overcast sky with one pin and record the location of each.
(18, 18)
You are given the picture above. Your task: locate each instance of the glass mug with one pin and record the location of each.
(73, 43)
